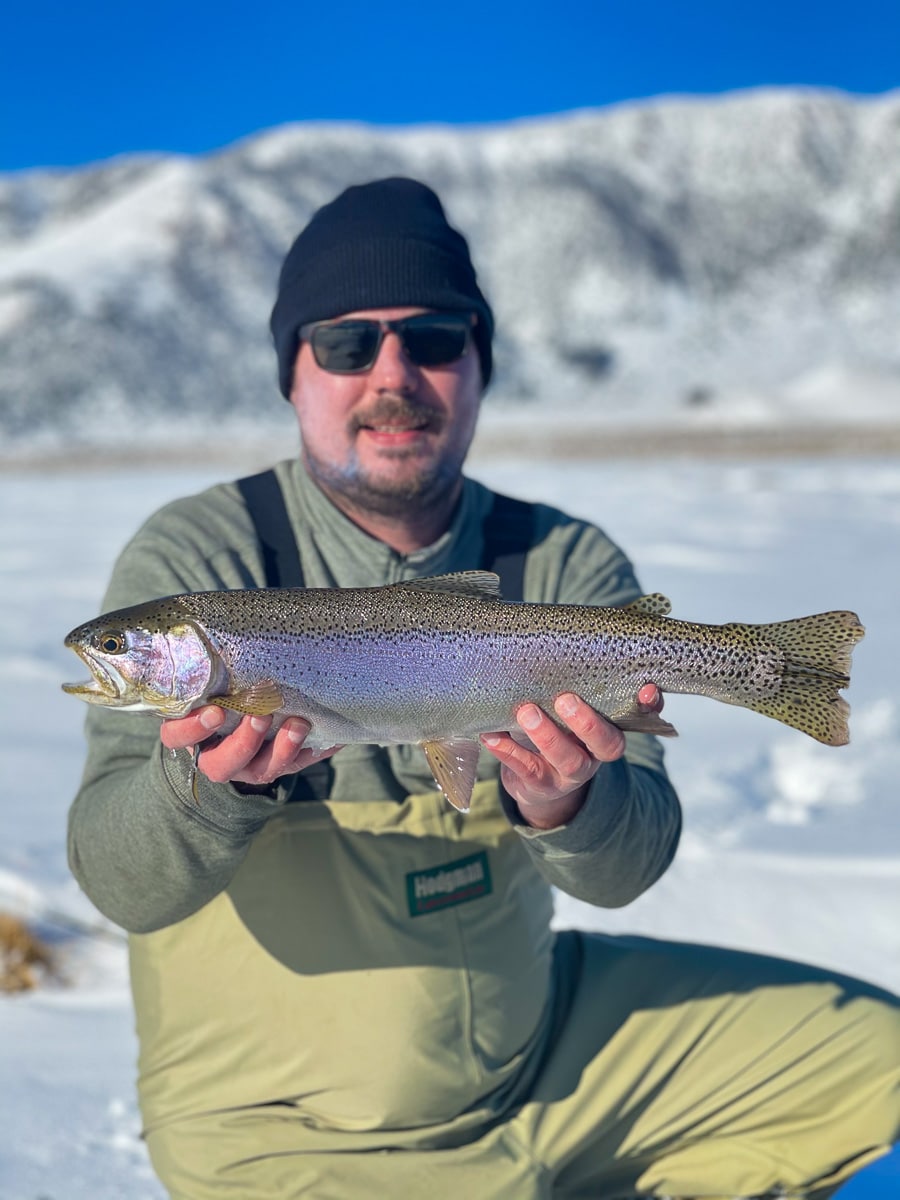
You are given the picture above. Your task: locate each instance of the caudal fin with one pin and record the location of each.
(817, 653)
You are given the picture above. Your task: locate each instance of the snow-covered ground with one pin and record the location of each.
(790, 847)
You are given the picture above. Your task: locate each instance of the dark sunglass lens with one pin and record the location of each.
(346, 346)
(431, 341)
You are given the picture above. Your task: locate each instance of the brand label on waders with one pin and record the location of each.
(453, 883)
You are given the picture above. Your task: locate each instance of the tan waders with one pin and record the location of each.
(376, 1008)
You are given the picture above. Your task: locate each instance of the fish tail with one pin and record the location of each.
(817, 652)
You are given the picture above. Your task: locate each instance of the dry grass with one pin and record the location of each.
(593, 442)
(25, 961)
(508, 438)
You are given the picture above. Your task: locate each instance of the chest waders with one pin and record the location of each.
(378, 964)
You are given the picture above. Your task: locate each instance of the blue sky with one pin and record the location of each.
(88, 79)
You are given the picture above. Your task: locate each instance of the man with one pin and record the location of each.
(344, 988)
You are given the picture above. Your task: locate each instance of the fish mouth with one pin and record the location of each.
(105, 686)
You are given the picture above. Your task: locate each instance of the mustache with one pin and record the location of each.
(395, 410)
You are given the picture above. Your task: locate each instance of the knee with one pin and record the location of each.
(871, 1058)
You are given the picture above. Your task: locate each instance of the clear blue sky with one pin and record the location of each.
(87, 79)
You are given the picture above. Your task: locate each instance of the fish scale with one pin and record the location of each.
(441, 661)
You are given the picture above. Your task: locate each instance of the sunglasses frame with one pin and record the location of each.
(397, 325)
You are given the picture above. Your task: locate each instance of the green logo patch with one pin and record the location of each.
(453, 883)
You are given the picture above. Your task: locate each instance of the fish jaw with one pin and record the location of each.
(105, 686)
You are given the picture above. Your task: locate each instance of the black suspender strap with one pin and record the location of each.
(281, 561)
(265, 503)
(508, 533)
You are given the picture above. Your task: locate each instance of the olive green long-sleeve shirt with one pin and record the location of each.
(148, 854)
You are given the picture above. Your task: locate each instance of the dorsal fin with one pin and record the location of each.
(480, 585)
(653, 605)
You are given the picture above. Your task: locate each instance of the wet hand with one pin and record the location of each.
(243, 756)
(549, 782)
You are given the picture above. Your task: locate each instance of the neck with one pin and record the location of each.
(414, 528)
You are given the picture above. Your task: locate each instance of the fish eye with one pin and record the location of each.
(110, 641)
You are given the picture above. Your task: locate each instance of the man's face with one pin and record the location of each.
(392, 436)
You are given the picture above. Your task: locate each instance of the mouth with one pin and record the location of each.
(397, 421)
(394, 434)
(104, 686)
(397, 428)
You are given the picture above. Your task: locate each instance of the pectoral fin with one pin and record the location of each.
(259, 700)
(454, 765)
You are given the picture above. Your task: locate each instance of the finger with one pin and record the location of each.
(538, 790)
(179, 732)
(650, 698)
(230, 757)
(565, 753)
(286, 752)
(604, 742)
(522, 761)
(265, 769)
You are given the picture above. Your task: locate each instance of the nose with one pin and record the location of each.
(392, 370)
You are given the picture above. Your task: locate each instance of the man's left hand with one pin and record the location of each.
(550, 782)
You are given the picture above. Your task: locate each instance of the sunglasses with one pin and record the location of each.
(428, 340)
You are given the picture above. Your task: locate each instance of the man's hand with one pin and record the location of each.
(244, 755)
(549, 784)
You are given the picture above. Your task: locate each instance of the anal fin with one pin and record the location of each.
(454, 765)
(637, 721)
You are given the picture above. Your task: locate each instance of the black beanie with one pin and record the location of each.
(384, 244)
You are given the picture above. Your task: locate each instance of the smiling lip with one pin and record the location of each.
(395, 433)
(395, 420)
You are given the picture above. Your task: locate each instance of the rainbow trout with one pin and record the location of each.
(439, 661)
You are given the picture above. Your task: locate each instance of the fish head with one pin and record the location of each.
(145, 658)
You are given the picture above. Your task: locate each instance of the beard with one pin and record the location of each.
(427, 481)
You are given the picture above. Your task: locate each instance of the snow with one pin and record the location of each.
(91, 253)
(790, 847)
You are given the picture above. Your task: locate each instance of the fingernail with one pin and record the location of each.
(566, 705)
(259, 724)
(211, 718)
(529, 716)
(490, 739)
(295, 734)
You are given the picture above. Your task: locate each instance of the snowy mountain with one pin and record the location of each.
(734, 258)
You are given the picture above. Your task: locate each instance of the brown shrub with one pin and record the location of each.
(24, 959)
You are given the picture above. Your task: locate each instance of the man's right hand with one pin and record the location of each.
(244, 755)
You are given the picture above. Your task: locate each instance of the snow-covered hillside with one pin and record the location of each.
(726, 259)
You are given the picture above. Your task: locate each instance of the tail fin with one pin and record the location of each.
(817, 654)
